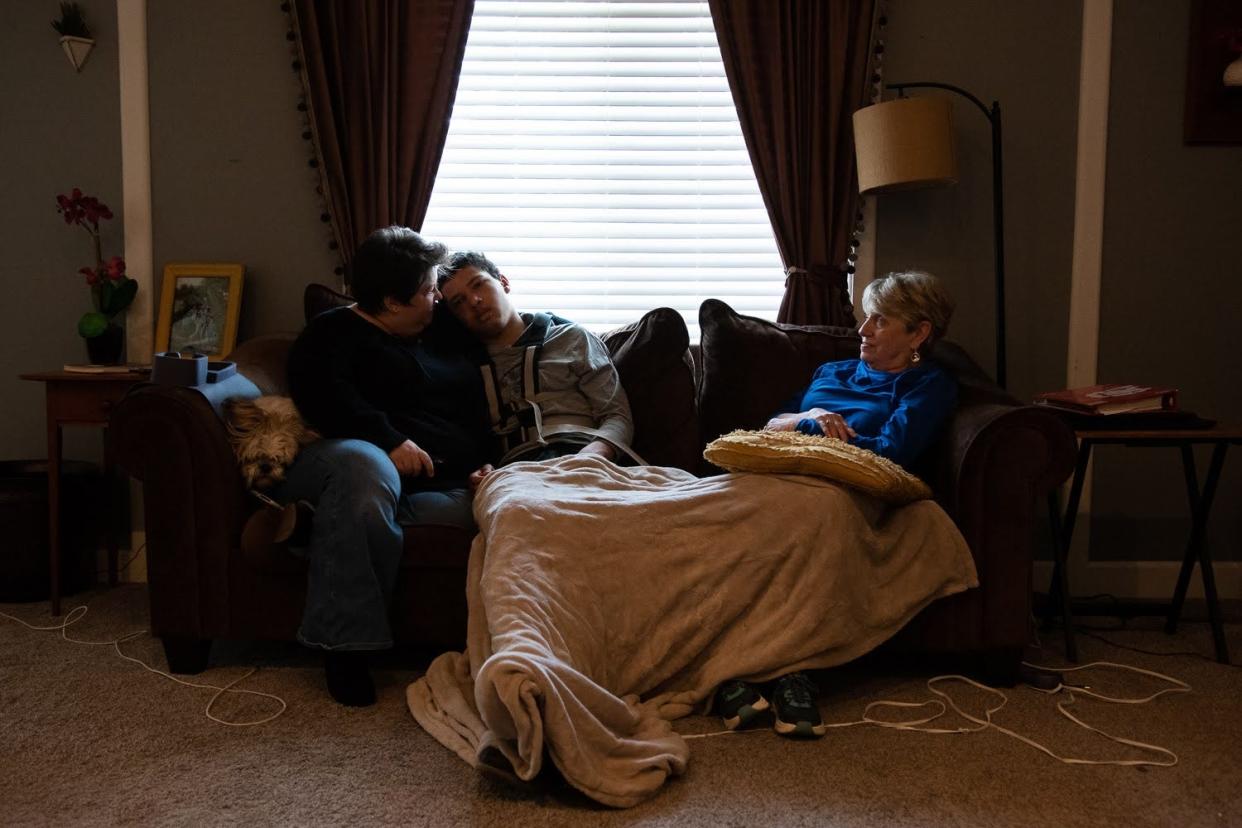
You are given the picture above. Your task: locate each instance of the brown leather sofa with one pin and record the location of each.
(993, 464)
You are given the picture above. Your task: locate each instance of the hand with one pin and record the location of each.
(601, 448)
(783, 422)
(412, 460)
(830, 423)
(479, 475)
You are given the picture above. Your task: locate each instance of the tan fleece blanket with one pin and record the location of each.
(607, 601)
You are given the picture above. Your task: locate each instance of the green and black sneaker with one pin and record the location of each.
(797, 715)
(741, 705)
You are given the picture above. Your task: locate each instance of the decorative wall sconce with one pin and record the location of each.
(75, 35)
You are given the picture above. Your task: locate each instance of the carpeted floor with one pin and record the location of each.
(87, 737)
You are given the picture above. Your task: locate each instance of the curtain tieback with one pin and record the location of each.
(817, 273)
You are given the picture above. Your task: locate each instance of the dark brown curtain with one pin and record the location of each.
(798, 70)
(381, 76)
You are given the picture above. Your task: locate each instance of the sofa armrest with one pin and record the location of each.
(194, 503)
(1036, 446)
(991, 471)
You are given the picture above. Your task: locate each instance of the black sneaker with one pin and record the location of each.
(740, 704)
(793, 698)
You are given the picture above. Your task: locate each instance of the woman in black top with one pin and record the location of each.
(397, 397)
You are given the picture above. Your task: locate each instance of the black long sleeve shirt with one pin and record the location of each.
(351, 379)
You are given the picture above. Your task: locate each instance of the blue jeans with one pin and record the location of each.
(356, 538)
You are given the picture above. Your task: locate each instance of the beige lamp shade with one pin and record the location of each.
(905, 144)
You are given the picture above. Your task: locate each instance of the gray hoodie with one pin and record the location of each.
(576, 379)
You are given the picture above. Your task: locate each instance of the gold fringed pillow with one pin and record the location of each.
(791, 452)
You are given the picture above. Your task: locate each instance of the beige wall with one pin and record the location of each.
(58, 130)
(229, 177)
(229, 174)
(1171, 287)
(1024, 55)
(1169, 284)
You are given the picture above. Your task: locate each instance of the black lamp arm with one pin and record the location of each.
(898, 87)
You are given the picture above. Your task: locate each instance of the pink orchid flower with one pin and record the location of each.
(116, 268)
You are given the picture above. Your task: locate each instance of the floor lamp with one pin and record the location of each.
(907, 143)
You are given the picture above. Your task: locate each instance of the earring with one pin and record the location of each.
(915, 358)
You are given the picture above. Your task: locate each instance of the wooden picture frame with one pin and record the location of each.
(1213, 107)
(199, 308)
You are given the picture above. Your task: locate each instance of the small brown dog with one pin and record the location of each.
(267, 433)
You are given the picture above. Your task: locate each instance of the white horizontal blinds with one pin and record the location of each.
(595, 155)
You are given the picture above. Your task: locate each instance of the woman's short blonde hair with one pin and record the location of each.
(911, 296)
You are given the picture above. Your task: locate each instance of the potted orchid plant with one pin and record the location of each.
(111, 290)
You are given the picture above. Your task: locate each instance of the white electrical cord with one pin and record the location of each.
(76, 615)
(943, 703)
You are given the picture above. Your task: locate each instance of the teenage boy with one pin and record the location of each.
(551, 386)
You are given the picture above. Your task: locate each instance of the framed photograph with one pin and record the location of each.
(1214, 73)
(199, 308)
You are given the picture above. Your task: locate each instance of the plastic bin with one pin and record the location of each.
(24, 566)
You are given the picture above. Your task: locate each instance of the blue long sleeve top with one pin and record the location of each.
(894, 415)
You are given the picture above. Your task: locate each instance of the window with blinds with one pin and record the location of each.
(595, 155)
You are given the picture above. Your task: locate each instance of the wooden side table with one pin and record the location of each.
(85, 400)
(1220, 437)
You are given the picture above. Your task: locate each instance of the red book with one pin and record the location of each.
(1112, 398)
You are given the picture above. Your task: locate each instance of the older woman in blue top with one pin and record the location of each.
(892, 400)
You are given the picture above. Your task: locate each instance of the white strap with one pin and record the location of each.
(598, 434)
(565, 424)
(489, 388)
(530, 380)
(537, 434)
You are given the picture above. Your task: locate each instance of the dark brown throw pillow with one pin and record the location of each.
(262, 361)
(973, 383)
(653, 359)
(752, 366)
(319, 298)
